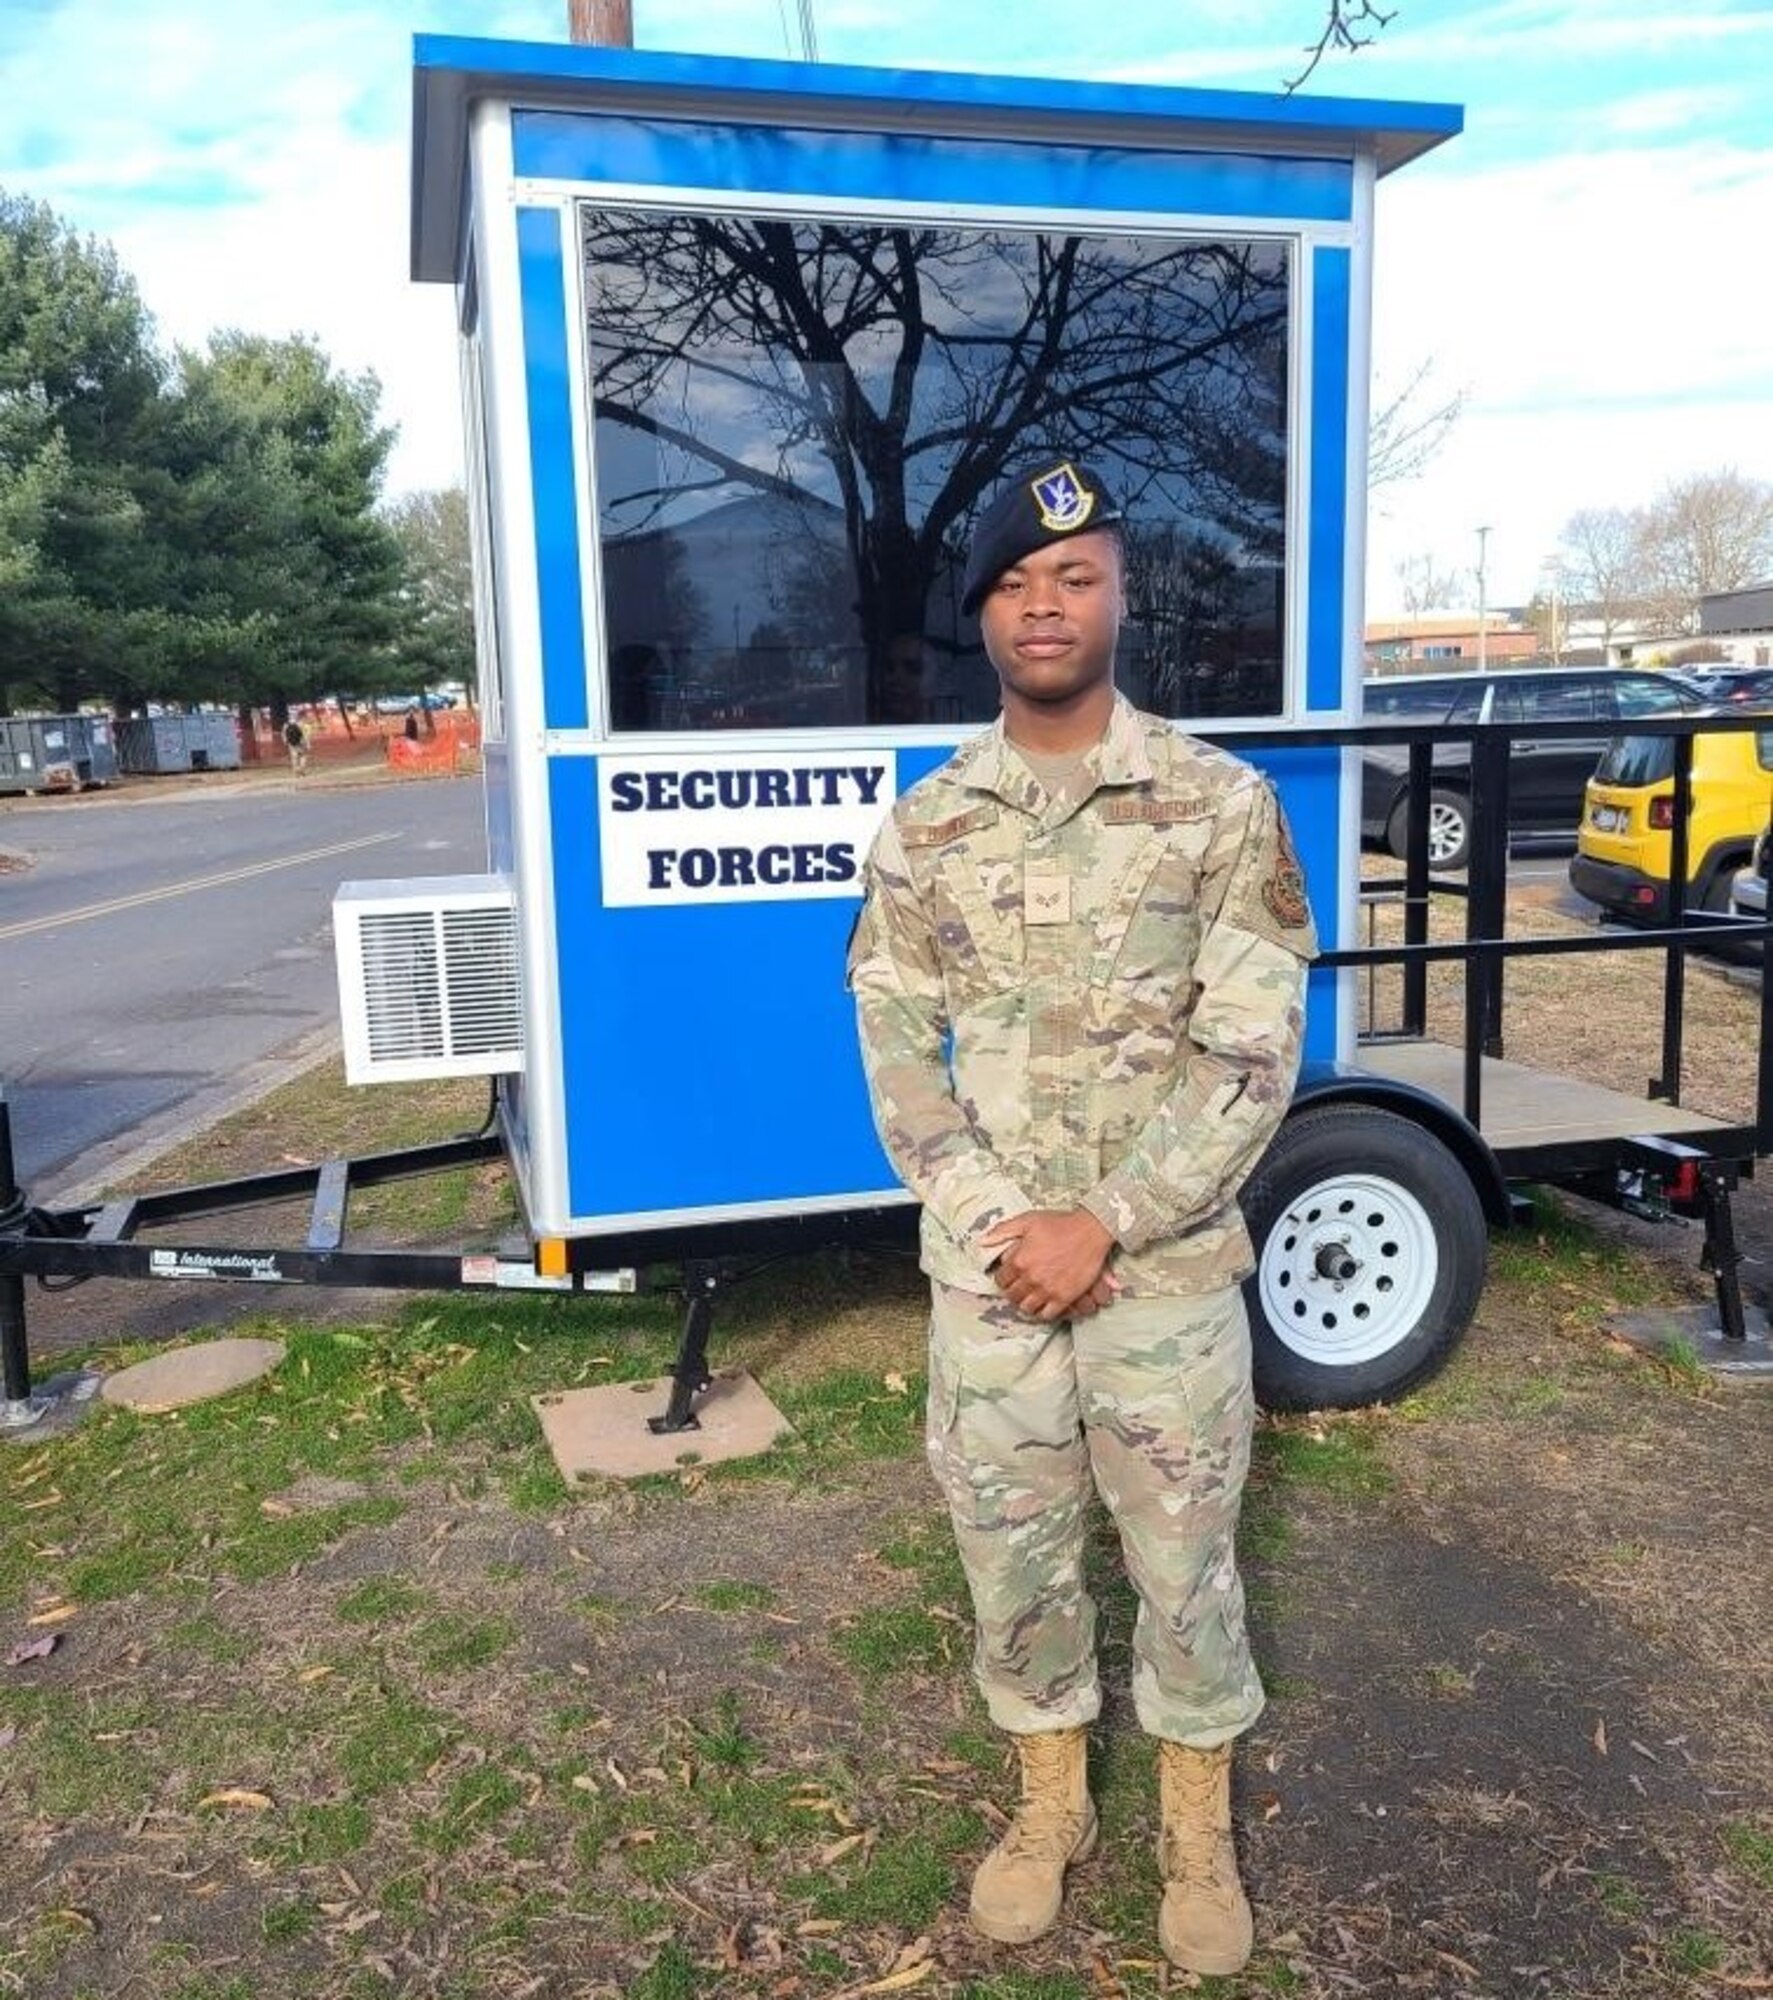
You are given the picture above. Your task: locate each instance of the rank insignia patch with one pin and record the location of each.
(1064, 501)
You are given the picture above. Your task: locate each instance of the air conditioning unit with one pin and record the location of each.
(428, 978)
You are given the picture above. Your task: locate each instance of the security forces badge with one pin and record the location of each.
(1028, 514)
(1064, 502)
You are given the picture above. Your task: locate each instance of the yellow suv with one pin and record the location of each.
(1622, 848)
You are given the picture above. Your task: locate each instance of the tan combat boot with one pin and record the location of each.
(1017, 1890)
(1204, 1925)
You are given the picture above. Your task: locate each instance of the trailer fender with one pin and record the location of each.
(1341, 1083)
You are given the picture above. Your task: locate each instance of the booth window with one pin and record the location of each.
(797, 423)
(484, 566)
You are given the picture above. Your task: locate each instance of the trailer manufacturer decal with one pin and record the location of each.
(240, 1267)
(746, 826)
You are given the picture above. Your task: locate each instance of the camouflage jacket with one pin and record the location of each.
(1093, 999)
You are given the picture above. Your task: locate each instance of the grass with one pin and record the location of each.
(1752, 1851)
(582, 1730)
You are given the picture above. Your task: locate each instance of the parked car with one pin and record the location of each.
(1748, 886)
(1729, 687)
(1623, 851)
(1545, 779)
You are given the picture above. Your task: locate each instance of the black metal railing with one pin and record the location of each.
(1486, 948)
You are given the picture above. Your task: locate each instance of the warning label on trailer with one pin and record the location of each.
(747, 826)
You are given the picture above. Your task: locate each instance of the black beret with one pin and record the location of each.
(1043, 506)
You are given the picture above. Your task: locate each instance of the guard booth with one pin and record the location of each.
(744, 348)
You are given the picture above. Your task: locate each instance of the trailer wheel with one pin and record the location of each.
(1370, 1250)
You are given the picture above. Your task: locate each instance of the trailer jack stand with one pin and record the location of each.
(689, 1374)
(1721, 1257)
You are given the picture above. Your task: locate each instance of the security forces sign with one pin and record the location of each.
(746, 826)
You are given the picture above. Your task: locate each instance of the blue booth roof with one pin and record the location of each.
(451, 73)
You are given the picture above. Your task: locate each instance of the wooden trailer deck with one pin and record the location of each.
(1532, 1111)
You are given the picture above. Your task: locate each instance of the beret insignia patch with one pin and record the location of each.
(1064, 501)
(1284, 891)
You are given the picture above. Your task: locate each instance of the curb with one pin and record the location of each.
(117, 1162)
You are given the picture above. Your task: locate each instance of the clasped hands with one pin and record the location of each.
(1054, 1263)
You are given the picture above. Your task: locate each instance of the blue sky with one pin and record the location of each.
(1590, 263)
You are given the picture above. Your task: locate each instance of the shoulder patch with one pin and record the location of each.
(1284, 891)
(941, 832)
(1156, 812)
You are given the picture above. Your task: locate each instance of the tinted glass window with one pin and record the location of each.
(1469, 705)
(1636, 760)
(797, 422)
(1562, 701)
(1409, 698)
(1638, 694)
(1764, 748)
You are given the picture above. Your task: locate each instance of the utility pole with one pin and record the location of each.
(1483, 615)
(1555, 565)
(608, 24)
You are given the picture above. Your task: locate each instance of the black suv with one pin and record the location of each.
(1545, 779)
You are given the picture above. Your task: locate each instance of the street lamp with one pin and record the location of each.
(1483, 535)
(1554, 567)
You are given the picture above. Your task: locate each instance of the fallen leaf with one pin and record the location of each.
(839, 1848)
(897, 1982)
(278, 1510)
(309, 1675)
(895, 1382)
(235, 1795)
(56, 1614)
(8, 1736)
(818, 1927)
(584, 1782)
(33, 1649)
(1600, 1735)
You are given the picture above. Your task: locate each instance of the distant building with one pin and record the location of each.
(1735, 629)
(1447, 642)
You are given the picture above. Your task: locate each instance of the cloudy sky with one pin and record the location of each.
(1591, 264)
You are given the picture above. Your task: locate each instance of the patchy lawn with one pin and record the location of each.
(354, 1698)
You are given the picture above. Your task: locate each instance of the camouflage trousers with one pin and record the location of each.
(1151, 1399)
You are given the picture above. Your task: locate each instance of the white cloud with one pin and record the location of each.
(1606, 312)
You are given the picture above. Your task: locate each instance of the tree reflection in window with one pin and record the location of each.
(797, 422)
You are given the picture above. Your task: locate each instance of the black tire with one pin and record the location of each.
(1449, 817)
(1414, 1186)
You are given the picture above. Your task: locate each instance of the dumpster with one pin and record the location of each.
(207, 741)
(100, 733)
(51, 753)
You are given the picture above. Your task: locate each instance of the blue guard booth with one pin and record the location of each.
(745, 346)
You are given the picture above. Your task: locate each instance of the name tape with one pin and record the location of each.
(746, 826)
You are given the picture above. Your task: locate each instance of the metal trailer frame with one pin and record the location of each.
(1690, 1172)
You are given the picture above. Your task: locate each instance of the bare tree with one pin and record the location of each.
(873, 382)
(1425, 588)
(1410, 427)
(1604, 566)
(1348, 25)
(1710, 532)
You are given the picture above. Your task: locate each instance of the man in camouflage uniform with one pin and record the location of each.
(1079, 972)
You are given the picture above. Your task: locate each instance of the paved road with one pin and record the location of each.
(161, 953)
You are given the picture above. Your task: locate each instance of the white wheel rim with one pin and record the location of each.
(1348, 1269)
(1446, 831)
